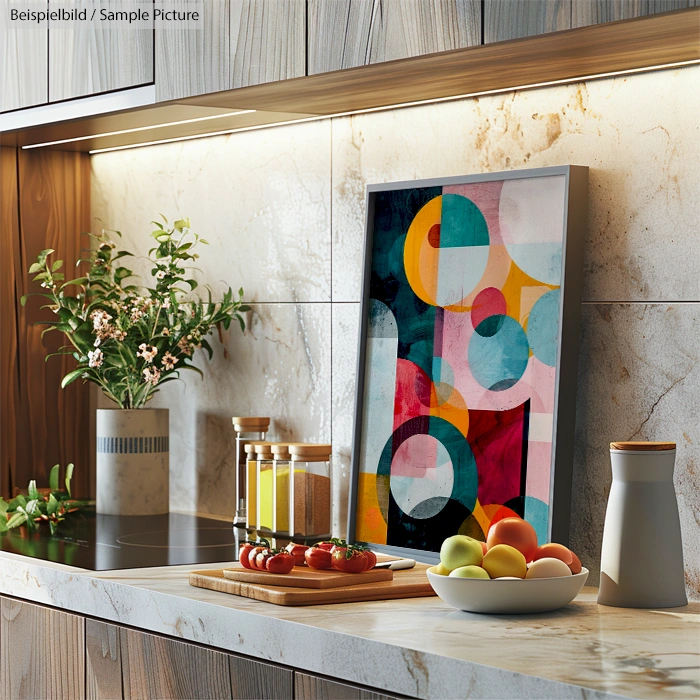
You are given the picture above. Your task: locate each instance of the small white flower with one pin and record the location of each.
(166, 332)
(95, 357)
(160, 274)
(151, 375)
(169, 361)
(148, 352)
(166, 303)
(97, 342)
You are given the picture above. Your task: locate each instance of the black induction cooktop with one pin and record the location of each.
(102, 542)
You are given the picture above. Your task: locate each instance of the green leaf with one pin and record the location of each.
(41, 258)
(3, 507)
(16, 520)
(31, 491)
(52, 506)
(32, 506)
(17, 502)
(180, 224)
(193, 284)
(69, 476)
(3, 525)
(58, 264)
(71, 377)
(35, 267)
(53, 477)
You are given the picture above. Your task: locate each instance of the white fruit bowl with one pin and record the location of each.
(507, 597)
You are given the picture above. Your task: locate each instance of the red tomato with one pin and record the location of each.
(280, 563)
(327, 545)
(371, 559)
(517, 533)
(297, 551)
(252, 555)
(575, 565)
(318, 558)
(555, 551)
(351, 560)
(261, 558)
(243, 554)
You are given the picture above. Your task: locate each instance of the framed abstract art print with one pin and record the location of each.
(466, 383)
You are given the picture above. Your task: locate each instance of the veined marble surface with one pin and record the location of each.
(418, 647)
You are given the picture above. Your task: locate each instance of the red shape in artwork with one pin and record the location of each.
(499, 442)
(412, 396)
(488, 302)
(434, 236)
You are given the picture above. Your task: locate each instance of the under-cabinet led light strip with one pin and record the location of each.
(140, 128)
(401, 105)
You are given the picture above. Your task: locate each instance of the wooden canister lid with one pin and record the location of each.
(643, 446)
(245, 424)
(249, 447)
(311, 453)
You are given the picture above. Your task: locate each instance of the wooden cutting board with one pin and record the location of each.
(303, 577)
(411, 583)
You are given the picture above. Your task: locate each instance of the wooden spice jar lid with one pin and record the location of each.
(249, 424)
(249, 447)
(643, 446)
(304, 452)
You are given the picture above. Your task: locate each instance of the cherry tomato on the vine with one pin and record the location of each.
(280, 563)
(297, 551)
(318, 558)
(350, 559)
(243, 554)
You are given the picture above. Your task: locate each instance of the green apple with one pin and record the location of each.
(460, 550)
(441, 570)
(469, 572)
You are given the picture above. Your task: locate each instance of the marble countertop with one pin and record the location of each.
(418, 647)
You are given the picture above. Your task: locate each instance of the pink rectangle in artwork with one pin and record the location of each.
(539, 465)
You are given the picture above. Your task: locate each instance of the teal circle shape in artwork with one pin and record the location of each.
(498, 352)
(537, 514)
(462, 224)
(543, 327)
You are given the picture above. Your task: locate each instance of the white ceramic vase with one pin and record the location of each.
(133, 461)
(642, 556)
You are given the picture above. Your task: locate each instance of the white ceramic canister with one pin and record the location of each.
(133, 461)
(642, 557)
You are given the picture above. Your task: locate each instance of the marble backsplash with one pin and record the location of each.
(283, 210)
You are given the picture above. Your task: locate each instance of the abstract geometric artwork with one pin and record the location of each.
(459, 358)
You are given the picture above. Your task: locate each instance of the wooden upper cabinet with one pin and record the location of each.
(90, 57)
(41, 653)
(509, 19)
(237, 43)
(349, 33)
(585, 12)
(23, 62)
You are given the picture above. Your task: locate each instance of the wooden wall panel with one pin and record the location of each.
(512, 19)
(349, 33)
(268, 41)
(23, 62)
(194, 62)
(314, 688)
(254, 679)
(42, 655)
(585, 12)
(10, 263)
(157, 668)
(86, 58)
(42, 424)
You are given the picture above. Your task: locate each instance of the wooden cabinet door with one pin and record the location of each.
(23, 60)
(239, 43)
(93, 56)
(309, 687)
(41, 653)
(349, 33)
(131, 665)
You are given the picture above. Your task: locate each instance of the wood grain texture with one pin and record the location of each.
(643, 446)
(103, 672)
(349, 33)
(309, 687)
(411, 583)
(640, 43)
(585, 12)
(42, 655)
(90, 57)
(10, 264)
(23, 62)
(512, 19)
(157, 668)
(47, 425)
(193, 62)
(267, 41)
(254, 679)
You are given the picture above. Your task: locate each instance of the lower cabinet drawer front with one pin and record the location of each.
(309, 687)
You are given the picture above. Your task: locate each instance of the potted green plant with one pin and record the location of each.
(130, 340)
